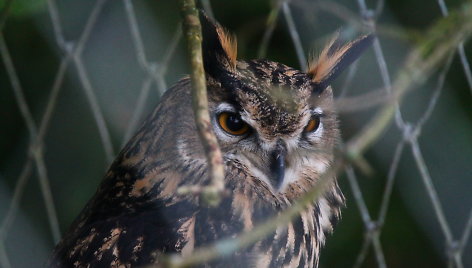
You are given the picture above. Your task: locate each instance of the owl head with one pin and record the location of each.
(274, 123)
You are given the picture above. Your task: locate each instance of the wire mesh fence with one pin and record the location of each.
(438, 197)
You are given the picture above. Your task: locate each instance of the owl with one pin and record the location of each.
(277, 130)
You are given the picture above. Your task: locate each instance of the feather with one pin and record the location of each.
(229, 44)
(335, 58)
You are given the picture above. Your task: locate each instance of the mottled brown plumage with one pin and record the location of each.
(289, 130)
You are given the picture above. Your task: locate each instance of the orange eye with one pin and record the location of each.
(232, 123)
(313, 124)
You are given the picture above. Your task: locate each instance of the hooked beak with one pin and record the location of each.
(277, 165)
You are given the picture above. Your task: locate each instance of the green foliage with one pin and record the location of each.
(21, 8)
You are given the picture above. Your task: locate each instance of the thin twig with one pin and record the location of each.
(193, 35)
(362, 102)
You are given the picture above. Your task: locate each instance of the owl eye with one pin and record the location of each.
(232, 123)
(313, 124)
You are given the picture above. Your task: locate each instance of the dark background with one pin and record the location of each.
(75, 157)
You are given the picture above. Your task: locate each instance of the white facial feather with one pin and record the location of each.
(184, 153)
(324, 218)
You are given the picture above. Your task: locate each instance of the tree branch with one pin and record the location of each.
(193, 34)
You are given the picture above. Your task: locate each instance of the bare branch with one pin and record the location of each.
(193, 35)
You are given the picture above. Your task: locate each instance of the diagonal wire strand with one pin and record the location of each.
(467, 231)
(171, 49)
(136, 36)
(58, 81)
(52, 99)
(460, 48)
(143, 95)
(42, 174)
(431, 190)
(366, 243)
(392, 171)
(17, 90)
(95, 107)
(379, 55)
(436, 93)
(153, 70)
(75, 56)
(4, 260)
(270, 27)
(465, 65)
(349, 78)
(4, 13)
(294, 35)
(26, 171)
(16, 198)
(371, 227)
(434, 198)
(358, 195)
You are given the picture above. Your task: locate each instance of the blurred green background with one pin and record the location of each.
(75, 157)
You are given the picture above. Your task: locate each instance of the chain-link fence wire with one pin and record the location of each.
(131, 30)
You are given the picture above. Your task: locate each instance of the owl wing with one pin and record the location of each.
(132, 238)
(135, 214)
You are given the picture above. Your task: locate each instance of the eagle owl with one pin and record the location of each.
(277, 130)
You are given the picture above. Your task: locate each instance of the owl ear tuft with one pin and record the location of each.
(218, 45)
(335, 58)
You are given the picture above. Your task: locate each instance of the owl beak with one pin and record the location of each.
(277, 165)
